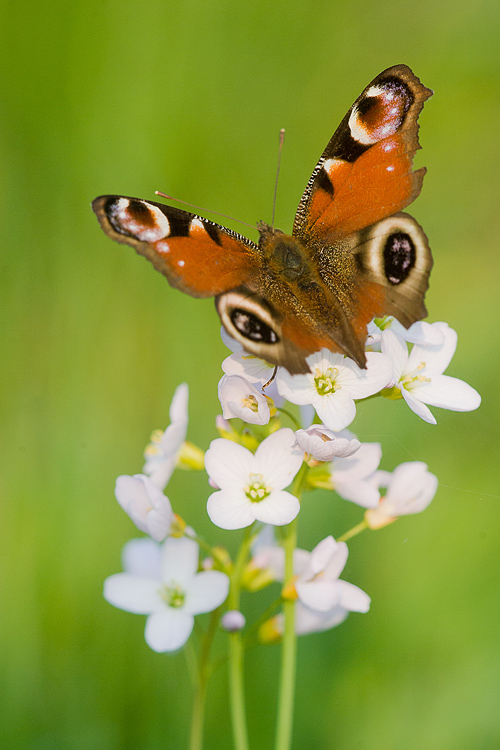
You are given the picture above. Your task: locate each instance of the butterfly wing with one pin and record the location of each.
(365, 173)
(373, 259)
(198, 257)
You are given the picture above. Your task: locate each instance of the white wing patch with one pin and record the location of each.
(148, 224)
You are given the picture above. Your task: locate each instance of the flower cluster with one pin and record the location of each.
(259, 471)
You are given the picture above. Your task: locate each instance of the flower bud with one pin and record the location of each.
(269, 631)
(233, 621)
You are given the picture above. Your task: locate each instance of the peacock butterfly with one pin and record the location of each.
(352, 255)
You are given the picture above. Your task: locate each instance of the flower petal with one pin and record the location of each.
(179, 405)
(180, 560)
(319, 558)
(359, 466)
(436, 358)
(133, 593)
(394, 346)
(228, 464)
(363, 383)
(159, 520)
(277, 459)
(418, 407)
(168, 630)
(320, 595)
(337, 562)
(336, 410)
(253, 369)
(240, 399)
(323, 445)
(298, 389)
(421, 332)
(207, 591)
(448, 393)
(311, 621)
(353, 598)
(410, 490)
(358, 491)
(230, 509)
(142, 557)
(278, 509)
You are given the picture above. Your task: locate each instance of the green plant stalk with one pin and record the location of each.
(284, 725)
(236, 682)
(196, 741)
(353, 532)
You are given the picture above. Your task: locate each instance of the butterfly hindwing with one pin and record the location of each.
(197, 256)
(365, 172)
(394, 255)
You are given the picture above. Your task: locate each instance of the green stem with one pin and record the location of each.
(288, 651)
(263, 617)
(353, 532)
(236, 683)
(196, 742)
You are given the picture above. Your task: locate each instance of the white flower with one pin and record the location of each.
(351, 477)
(269, 556)
(319, 586)
(323, 445)
(239, 398)
(333, 384)
(252, 485)
(161, 453)
(163, 582)
(410, 489)
(254, 370)
(323, 599)
(146, 504)
(419, 377)
(418, 333)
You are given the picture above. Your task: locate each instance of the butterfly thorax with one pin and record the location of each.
(283, 255)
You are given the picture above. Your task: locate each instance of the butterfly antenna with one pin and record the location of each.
(205, 210)
(282, 138)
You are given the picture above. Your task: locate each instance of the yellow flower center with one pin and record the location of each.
(173, 595)
(256, 490)
(153, 449)
(412, 379)
(250, 402)
(325, 381)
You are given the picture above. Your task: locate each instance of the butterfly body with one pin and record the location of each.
(352, 254)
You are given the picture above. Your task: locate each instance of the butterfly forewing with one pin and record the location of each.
(197, 256)
(365, 172)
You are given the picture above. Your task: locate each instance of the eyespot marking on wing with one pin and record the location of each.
(381, 112)
(399, 257)
(252, 327)
(138, 219)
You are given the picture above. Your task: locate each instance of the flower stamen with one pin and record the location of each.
(325, 381)
(172, 595)
(250, 402)
(256, 490)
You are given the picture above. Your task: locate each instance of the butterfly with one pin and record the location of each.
(352, 254)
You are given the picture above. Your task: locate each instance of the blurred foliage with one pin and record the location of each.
(188, 97)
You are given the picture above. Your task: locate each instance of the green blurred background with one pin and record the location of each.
(188, 97)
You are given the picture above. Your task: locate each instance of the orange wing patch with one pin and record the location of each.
(378, 184)
(202, 267)
(197, 256)
(365, 173)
